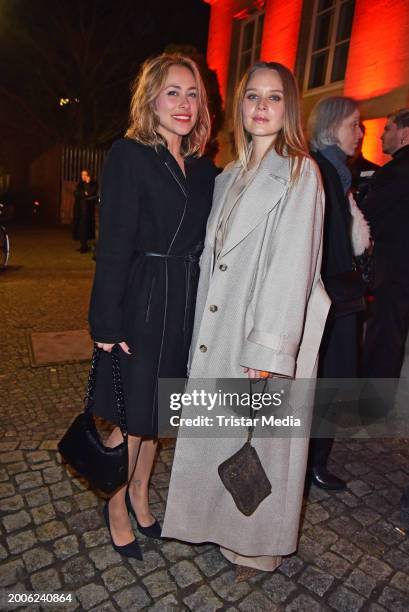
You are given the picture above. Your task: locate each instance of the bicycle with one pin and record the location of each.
(4, 243)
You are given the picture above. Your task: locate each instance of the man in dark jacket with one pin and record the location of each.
(387, 209)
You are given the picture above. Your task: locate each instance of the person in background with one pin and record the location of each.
(362, 170)
(260, 312)
(86, 196)
(335, 133)
(387, 209)
(155, 199)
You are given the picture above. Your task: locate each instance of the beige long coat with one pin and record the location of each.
(271, 312)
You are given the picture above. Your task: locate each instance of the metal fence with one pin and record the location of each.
(75, 159)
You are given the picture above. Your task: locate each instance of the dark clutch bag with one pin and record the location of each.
(244, 477)
(81, 446)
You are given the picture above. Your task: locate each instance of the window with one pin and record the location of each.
(251, 31)
(329, 42)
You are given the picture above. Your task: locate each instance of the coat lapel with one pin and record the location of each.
(261, 196)
(173, 168)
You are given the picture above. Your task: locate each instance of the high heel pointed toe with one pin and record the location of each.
(152, 531)
(128, 550)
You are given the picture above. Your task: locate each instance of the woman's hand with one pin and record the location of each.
(105, 346)
(252, 373)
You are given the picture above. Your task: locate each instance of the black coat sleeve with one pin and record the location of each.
(79, 190)
(383, 191)
(119, 213)
(92, 191)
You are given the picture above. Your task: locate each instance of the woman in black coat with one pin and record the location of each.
(334, 135)
(86, 195)
(155, 199)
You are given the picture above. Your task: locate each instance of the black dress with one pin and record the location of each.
(152, 227)
(83, 224)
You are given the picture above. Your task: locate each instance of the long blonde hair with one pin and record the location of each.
(143, 121)
(290, 141)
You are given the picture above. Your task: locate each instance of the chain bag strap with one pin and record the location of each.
(92, 379)
(106, 468)
(117, 386)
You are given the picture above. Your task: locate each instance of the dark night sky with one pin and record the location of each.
(90, 49)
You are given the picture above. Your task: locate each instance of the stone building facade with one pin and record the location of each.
(358, 48)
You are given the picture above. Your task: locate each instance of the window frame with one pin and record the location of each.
(256, 16)
(332, 44)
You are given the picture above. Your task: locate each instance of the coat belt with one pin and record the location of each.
(190, 258)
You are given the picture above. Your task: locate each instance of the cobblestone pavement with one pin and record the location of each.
(353, 552)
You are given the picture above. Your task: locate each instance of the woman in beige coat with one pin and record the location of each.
(260, 311)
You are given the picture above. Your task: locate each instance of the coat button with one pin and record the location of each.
(213, 308)
(223, 267)
(203, 348)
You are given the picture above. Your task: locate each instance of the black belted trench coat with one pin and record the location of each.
(152, 226)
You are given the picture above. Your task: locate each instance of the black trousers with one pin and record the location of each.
(83, 226)
(386, 332)
(338, 359)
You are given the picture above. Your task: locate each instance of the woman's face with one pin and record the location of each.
(177, 105)
(349, 133)
(263, 104)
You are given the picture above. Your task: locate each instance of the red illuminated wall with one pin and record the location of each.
(280, 35)
(281, 31)
(378, 58)
(378, 63)
(378, 66)
(372, 148)
(220, 31)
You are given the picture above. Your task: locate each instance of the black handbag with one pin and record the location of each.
(243, 474)
(81, 446)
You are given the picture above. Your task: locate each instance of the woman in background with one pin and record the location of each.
(86, 195)
(156, 197)
(260, 311)
(334, 128)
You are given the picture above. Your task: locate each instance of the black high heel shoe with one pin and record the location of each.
(129, 550)
(152, 531)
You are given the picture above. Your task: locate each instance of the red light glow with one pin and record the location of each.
(379, 50)
(219, 40)
(281, 30)
(241, 14)
(371, 147)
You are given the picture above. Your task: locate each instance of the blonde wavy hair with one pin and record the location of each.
(143, 120)
(290, 141)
